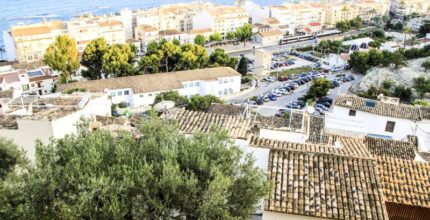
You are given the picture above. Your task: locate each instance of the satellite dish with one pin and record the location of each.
(310, 110)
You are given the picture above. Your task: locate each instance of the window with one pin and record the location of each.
(150, 94)
(225, 91)
(390, 126)
(220, 93)
(370, 103)
(352, 112)
(230, 91)
(126, 92)
(197, 84)
(119, 93)
(225, 80)
(112, 94)
(185, 85)
(220, 81)
(231, 80)
(141, 96)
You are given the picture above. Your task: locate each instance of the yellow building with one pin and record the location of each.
(299, 15)
(86, 29)
(336, 12)
(28, 43)
(368, 9)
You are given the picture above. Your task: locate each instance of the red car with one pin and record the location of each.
(282, 78)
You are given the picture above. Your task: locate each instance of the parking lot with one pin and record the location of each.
(271, 107)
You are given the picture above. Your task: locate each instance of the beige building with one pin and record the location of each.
(193, 33)
(407, 7)
(339, 12)
(368, 9)
(146, 34)
(28, 43)
(86, 29)
(271, 37)
(221, 19)
(263, 60)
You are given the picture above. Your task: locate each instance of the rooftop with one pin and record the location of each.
(152, 82)
(200, 31)
(391, 148)
(270, 33)
(376, 107)
(233, 110)
(146, 28)
(37, 29)
(405, 181)
(169, 32)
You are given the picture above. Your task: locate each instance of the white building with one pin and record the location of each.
(337, 62)
(358, 44)
(146, 34)
(388, 119)
(140, 91)
(256, 12)
(221, 19)
(272, 37)
(40, 118)
(263, 61)
(415, 23)
(173, 34)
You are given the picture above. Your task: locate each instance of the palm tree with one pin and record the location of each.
(406, 31)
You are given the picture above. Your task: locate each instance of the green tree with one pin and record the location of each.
(169, 52)
(359, 62)
(62, 56)
(162, 174)
(200, 40)
(375, 57)
(244, 33)
(118, 60)
(215, 37)
(398, 59)
(180, 101)
(242, 67)
(231, 36)
(405, 94)
(92, 58)
(398, 26)
(422, 86)
(319, 88)
(220, 58)
(343, 26)
(176, 42)
(202, 103)
(11, 157)
(426, 65)
(192, 57)
(388, 58)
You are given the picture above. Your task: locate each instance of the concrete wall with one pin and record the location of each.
(267, 215)
(9, 46)
(283, 135)
(203, 20)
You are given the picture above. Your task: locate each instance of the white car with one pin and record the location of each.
(283, 91)
(269, 79)
(277, 93)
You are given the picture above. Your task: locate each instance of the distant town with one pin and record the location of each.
(307, 110)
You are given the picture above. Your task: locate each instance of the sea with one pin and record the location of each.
(14, 12)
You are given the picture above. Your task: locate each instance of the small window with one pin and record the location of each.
(112, 94)
(390, 126)
(220, 81)
(225, 91)
(141, 96)
(126, 92)
(197, 84)
(370, 103)
(231, 80)
(150, 94)
(225, 80)
(352, 112)
(230, 91)
(185, 85)
(220, 93)
(119, 93)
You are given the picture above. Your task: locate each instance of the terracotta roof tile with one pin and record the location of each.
(391, 148)
(425, 155)
(405, 181)
(152, 82)
(270, 33)
(234, 110)
(385, 109)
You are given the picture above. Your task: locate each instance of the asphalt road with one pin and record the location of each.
(270, 108)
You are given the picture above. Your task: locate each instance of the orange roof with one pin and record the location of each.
(272, 20)
(110, 23)
(36, 29)
(146, 28)
(270, 33)
(314, 24)
(200, 31)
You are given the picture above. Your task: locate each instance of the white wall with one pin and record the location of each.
(338, 119)
(9, 46)
(203, 20)
(283, 135)
(267, 215)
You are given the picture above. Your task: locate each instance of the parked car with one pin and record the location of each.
(351, 77)
(269, 79)
(250, 102)
(272, 97)
(282, 78)
(277, 93)
(327, 99)
(336, 83)
(321, 107)
(295, 85)
(265, 98)
(322, 102)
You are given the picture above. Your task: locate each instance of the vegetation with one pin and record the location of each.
(215, 37)
(293, 71)
(424, 29)
(388, 88)
(361, 61)
(118, 60)
(426, 65)
(71, 91)
(231, 35)
(422, 85)
(242, 67)
(92, 58)
(62, 56)
(200, 40)
(168, 175)
(331, 46)
(319, 88)
(11, 157)
(220, 58)
(346, 26)
(421, 102)
(195, 103)
(244, 33)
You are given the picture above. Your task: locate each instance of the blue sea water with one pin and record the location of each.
(32, 11)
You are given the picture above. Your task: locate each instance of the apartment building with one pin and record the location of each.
(221, 19)
(87, 28)
(28, 43)
(194, 33)
(368, 9)
(146, 34)
(139, 91)
(407, 7)
(336, 12)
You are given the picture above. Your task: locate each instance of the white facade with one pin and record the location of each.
(256, 12)
(127, 20)
(415, 23)
(9, 46)
(30, 130)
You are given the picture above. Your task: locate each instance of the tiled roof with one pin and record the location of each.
(194, 121)
(405, 181)
(152, 82)
(146, 28)
(345, 146)
(391, 148)
(277, 122)
(324, 185)
(36, 29)
(270, 33)
(169, 32)
(234, 110)
(110, 23)
(425, 155)
(200, 31)
(385, 109)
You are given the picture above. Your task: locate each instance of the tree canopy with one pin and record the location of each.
(10, 157)
(195, 103)
(215, 37)
(319, 88)
(92, 58)
(118, 59)
(161, 173)
(200, 40)
(220, 58)
(62, 56)
(244, 33)
(242, 67)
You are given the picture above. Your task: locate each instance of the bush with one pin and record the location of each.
(70, 91)
(246, 79)
(421, 102)
(122, 105)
